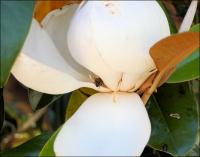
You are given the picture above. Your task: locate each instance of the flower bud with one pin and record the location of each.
(115, 36)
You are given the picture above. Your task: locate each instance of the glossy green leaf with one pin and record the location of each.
(39, 100)
(195, 28)
(30, 148)
(47, 150)
(188, 69)
(88, 91)
(195, 151)
(172, 25)
(75, 101)
(16, 17)
(174, 117)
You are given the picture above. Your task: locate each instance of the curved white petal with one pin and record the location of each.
(124, 32)
(56, 23)
(189, 17)
(84, 49)
(102, 127)
(42, 68)
(131, 82)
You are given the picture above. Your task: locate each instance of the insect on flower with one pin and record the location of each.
(98, 82)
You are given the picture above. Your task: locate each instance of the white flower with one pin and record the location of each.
(109, 40)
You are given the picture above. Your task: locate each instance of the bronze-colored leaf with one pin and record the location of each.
(42, 8)
(171, 50)
(147, 84)
(166, 54)
(166, 75)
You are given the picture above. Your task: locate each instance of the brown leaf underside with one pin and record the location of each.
(42, 8)
(166, 54)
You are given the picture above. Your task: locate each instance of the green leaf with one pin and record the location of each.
(39, 100)
(75, 101)
(2, 113)
(88, 91)
(195, 151)
(172, 25)
(47, 150)
(188, 69)
(174, 118)
(30, 148)
(16, 17)
(195, 28)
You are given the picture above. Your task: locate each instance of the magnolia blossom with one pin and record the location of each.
(98, 40)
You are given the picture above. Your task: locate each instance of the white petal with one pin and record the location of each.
(42, 68)
(56, 23)
(84, 50)
(188, 19)
(102, 127)
(124, 32)
(131, 82)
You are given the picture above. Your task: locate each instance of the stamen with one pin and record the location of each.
(114, 96)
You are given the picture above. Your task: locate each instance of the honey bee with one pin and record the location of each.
(98, 82)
